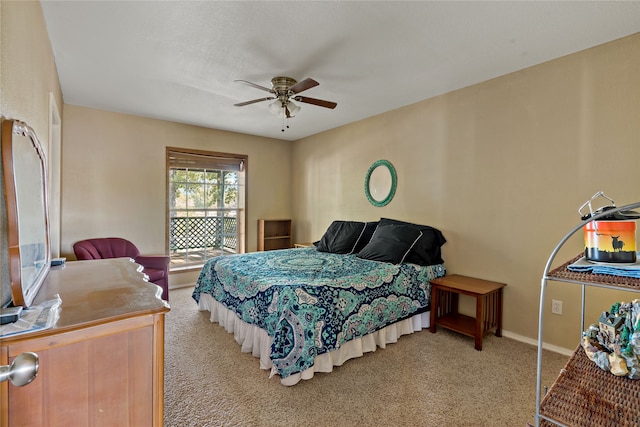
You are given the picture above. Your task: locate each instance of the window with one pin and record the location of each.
(206, 206)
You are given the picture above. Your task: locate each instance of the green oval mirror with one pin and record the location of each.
(380, 183)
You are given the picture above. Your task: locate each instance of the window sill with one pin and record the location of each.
(186, 269)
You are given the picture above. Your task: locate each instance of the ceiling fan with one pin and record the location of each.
(285, 90)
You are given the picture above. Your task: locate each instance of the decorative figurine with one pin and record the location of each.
(614, 343)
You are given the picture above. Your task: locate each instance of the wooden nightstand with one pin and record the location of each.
(302, 245)
(444, 306)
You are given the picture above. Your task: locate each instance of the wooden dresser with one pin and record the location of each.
(103, 362)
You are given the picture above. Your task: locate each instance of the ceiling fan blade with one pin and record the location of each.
(255, 85)
(314, 101)
(307, 83)
(242, 104)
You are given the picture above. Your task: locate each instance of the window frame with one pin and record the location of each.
(242, 209)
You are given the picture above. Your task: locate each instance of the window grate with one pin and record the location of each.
(201, 233)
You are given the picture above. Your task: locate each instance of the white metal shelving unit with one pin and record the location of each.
(548, 410)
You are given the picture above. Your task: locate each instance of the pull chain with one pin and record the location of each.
(284, 117)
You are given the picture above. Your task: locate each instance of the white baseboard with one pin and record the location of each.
(182, 285)
(533, 342)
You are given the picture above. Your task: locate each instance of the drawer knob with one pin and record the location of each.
(22, 371)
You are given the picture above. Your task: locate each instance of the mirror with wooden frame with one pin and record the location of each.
(26, 252)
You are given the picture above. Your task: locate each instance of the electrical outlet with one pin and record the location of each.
(556, 306)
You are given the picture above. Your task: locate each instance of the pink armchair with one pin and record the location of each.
(155, 266)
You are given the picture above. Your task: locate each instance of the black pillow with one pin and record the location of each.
(391, 243)
(365, 237)
(341, 237)
(427, 250)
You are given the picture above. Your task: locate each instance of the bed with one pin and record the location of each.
(305, 310)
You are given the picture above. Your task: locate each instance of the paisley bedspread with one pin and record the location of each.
(312, 302)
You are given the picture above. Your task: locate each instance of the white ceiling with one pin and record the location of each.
(177, 60)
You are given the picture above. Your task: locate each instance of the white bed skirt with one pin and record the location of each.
(255, 340)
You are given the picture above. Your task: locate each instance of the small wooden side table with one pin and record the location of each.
(444, 306)
(302, 245)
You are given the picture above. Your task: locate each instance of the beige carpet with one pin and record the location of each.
(424, 379)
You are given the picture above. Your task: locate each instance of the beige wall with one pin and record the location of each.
(500, 167)
(27, 67)
(114, 177)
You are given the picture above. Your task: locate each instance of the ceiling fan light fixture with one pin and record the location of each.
(276, 107)
(284, 90)
(293, 108)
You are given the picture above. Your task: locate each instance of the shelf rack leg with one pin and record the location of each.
(582, 313)
(543, 286)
